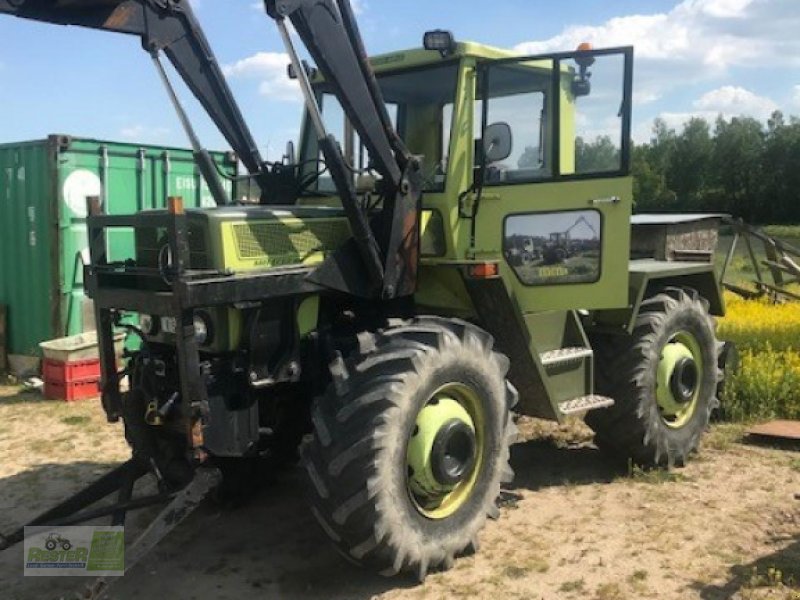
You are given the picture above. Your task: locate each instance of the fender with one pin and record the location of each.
(647, 276)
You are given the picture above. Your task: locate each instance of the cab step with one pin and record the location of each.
(585, 403)
(565, 356)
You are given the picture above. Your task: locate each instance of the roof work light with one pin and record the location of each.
(441, 41)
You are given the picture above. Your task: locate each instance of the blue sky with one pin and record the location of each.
(703, 57)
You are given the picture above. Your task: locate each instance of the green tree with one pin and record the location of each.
(530, 158)
(689, 164)
(742, 167)
(737, 166)
(650, 193)
(597, 156)
(780, 170)
(661, 147)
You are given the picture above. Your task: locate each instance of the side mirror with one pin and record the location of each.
(498, 141)
(584, 61)
(582, 86)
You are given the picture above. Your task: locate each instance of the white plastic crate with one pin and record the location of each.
(78, 347)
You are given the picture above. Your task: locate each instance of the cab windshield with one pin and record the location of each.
(420, 105)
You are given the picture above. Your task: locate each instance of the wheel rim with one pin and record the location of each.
(680, 373)
(445, 451)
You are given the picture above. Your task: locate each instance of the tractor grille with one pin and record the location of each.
(283, 243)
(197, 247)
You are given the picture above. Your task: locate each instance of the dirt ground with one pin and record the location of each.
(574, 524)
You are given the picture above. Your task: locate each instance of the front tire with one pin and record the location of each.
(381, 490)
(663, 378)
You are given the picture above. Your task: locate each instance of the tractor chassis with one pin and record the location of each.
(176, 291)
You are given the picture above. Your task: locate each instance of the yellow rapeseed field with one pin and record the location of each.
(767, 384)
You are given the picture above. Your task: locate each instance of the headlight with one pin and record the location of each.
(148, 324)
(203, 332)
(202, 329)
(169, 325)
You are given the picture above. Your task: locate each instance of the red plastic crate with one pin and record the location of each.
(55, 371)
(71, 392)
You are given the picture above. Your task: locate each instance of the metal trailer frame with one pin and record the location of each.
(783, 263)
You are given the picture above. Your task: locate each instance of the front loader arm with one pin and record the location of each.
(163, 25)
(386, 245)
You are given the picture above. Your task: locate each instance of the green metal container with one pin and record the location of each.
(43, 242)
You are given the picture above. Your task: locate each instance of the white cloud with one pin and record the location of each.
(723, 9)
(708, 32)
(696, 41)
(732, 100)
(271, 69)
(643, 97)
(727, 102)
(795, 96)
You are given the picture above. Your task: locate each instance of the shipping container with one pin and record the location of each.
(43, 241)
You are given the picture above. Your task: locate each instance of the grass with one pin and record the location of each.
(772, 577)
(526, 565)
(610, 591)
(767, 383)
(654, 476)
(637, 581)
(515, 572)
(783, 231)
(767, 386)
(723, 436)
(638, 575)
(576, 585)
(767, 335)
(760, 325)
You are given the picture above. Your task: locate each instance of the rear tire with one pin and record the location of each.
(358, 458)
(647, 425)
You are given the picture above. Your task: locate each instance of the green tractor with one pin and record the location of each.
(367, 312)
(562, 246)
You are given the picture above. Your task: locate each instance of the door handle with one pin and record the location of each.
(606, 200)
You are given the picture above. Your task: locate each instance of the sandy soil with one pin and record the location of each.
(574, 525)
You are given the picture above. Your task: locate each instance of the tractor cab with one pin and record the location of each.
(512, 148)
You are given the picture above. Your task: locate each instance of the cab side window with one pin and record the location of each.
(517, 135)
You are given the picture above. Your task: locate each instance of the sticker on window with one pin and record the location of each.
(554, 248)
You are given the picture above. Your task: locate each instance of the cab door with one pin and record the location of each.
(556, 194)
